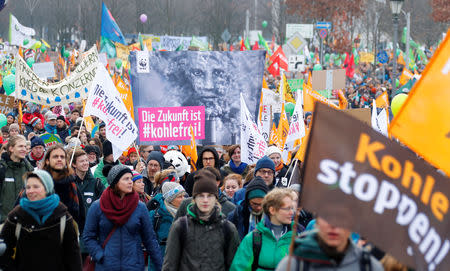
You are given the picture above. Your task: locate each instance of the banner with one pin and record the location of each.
(171, 43)
(296, 130)
(253, 144)
(18, 33)
(50, 139)
(105, 103)
(6, 103)
(422, 122)
(44, 70)
(372, 185)
(126, 95)
(210, 79)
(265, 113)
(71, 89)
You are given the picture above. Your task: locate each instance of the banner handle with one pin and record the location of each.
(76, 143)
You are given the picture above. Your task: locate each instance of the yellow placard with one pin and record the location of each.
(366, 57)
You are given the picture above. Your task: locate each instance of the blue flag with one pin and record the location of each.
(110, 29)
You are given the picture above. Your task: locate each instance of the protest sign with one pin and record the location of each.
(44, 70)
(328, 79)
(171, 43)
(171, 123)
(18, 33)
(363, 114)
(6, 104)
(194, 78)
(50, 139)
(366, 57)
(371, 185)
(422, 122)
(105, 103)
(72, 88)
(253, 144)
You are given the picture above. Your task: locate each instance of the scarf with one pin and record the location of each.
(42, 209)
(117, 210)
(50, 128)
(172, 209)
(279, 167)
(240, 169)
(36, 158)
(253, 220)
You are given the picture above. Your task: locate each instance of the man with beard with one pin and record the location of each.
(108, 159)
(36, 156)
(55, 163)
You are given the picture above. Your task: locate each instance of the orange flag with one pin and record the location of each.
(310, 96)
(191, 150)
(273, 135)
(283, 129)
(125, 94)
(405, 76)
(88, 122)
(422, 123)
(342, 100)
(304, 142)
(383, 100)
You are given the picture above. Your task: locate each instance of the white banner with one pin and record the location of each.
(264, 118)
(296, 130)
(379, 121)
(44, 69)
(18, 33)
(253, 144)
(30, 87)
(105, 103)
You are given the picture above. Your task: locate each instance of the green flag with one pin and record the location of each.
(263, 42)
(108, 47)
(247, 44)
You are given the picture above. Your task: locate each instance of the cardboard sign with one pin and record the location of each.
(328, 79)
(363, 114)
(369, 184)
(6, 104)
(50, 139)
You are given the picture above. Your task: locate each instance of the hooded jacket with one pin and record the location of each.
(163, 219)
(12, 184)
(307, 249)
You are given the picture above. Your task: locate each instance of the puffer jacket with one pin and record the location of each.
(272, 250)
(124, 249)
(39, 246)
(309, 250)
(201, 245)
(12, 184)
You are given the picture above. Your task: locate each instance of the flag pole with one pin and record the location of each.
(76, 143)
(290, 178)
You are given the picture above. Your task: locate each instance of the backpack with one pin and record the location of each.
(257, 244)
(62, 227)
(364, 263)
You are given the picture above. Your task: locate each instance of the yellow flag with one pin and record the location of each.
(400, 59)
(88, 122)
(304, 142)
(283, 129)
(264, 85)
(405, 76)
(383, 100)
(46, 44)
(125, 94)
(422, 123)
(286, 91)
(310, 96)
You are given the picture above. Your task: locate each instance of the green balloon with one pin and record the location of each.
(311, 55)
(264, 24)
(332, 57)
(43, 48)
(397, 102)
(25, 41)
(327, 58)
(118, 63)
(13, 70)
(397, 83)
(289, 107)
(9, 83)
(30, 62)
(317, 67)
(338, 62)
(36, 45)
(66, 54)
(3, 121)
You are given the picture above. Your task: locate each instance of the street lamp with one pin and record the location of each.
(396, 8)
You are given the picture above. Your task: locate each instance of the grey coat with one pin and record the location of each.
(226, 205)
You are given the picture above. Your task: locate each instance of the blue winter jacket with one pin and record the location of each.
(165, 220)
(124, 249)
(240, 218)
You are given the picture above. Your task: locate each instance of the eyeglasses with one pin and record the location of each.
(266, 172)
(287, 209)
(255, 204)
(208, 158)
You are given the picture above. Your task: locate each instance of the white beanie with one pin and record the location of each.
(171, 190)
(272, 149)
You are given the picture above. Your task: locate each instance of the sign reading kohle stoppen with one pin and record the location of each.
(367, 183)
(30, 87)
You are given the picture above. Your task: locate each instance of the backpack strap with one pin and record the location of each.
(183, 231)
(62, 227)
(257, 244)
(365, 261)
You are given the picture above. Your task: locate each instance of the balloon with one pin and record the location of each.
(311, 55)
(343, 56)
(264, 24)
(397, 83)
(25, 41)
(327, 58)
(43, 48)
(317, 67)
(66, 54)
(9, 83)
(289, 107)
(36, 45)
(338, 62)
(13, 70)
(397, 102)
(143, 18)
(3, 121)
(30, 62)
(118, 63)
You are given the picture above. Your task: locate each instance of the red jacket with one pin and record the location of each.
(27, 117)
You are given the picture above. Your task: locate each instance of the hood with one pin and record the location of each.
(199, 163)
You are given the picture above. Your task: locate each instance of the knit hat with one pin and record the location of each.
(107, 148)
(131, 150)
(257, 188)
(171, 190)
(116, 173)
(61, 117)
(11, 114)
(265, 162)
(37, 141)
(92, 148)
(273, 149)
(44, 177)
(205, 182)
(158, 157)
(51, 116)
(34, 121)
(136, 176)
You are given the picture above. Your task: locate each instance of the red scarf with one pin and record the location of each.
(36, 158)
(118, 210)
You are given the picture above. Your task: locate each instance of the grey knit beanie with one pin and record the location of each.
(116, 173)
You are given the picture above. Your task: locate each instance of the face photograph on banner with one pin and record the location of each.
(212, 80)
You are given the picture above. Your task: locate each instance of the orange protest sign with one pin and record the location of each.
(125, 94)
(406, 76)
(422, 123)
(311, 95)
(283, 129)
(382, 101)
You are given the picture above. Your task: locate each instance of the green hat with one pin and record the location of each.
(257, 193)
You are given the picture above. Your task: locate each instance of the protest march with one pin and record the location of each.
(225, 135)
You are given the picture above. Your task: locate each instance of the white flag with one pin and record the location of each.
(18, 33)
(264, 119)
(296, 130)
(105, 103)
(253, 145)
(379, 121)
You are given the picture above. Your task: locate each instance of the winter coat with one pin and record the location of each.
(309, 250)
(226, 170)
(13, 184)
(39, 246)
(31, 160)
(124, 249)
(63, 133)
(90, 188)
(99, 174)
(161, 220)
(283, 173)
(226, 206)
(202, 245)
(240, 218)
(272, 250)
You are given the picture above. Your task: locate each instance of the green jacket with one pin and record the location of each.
(99, 174)
(272, 251)
(13, 183)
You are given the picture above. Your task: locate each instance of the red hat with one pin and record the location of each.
(131, 150)
(34, 121)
